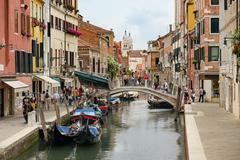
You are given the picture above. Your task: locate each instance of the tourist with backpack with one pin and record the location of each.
(202, 93)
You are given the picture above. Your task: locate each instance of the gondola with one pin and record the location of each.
(65, 134)
(159, 104)
(90, 130)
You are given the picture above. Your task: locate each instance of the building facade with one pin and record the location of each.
(206, 48)
(15, 53)
(127, 45)
(101, 44)
(229, 81)
(64, 41)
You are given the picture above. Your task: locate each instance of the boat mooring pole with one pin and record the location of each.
(179, 102)
(66, 106)
(56, 107)
(43, 123)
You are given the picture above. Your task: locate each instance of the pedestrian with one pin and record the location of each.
(165, 86)
(186, 95)
(202, 92)
(26, 107)
(193, 96)
(47, 100)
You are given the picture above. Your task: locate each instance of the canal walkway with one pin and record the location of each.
(13, 129)
(212, 133)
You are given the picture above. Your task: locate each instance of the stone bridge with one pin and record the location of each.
(172, 99)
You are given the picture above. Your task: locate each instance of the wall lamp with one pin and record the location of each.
(226, 39)
(5, 45)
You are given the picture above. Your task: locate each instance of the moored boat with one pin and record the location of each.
(159, 104)
(65, 134)
(90, 130)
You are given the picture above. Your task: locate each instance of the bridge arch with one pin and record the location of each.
(167, 97)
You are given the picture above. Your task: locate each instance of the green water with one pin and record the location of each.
(131, 133)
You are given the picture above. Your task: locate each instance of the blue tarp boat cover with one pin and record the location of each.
(94, 131)
(63, 129)
(86, 111)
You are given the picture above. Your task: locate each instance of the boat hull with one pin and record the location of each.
(159, 105)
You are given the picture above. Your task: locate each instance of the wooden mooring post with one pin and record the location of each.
(43, 123)
(179, 102)
(57, 110)
(65, 101)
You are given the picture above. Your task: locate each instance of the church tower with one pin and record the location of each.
(127, 44)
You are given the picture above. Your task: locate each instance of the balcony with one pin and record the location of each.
(73, 32)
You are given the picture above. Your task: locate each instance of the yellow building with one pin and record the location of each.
(41, 82)
(190, 15)
(37, 30)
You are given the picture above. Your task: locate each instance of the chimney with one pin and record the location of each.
(170, 28)
(88, 22)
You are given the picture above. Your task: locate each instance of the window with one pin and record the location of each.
(72, 59)
(36, 11)
(23, 62)
(40, 13)
(99, 66)
(93, 67)
(202, 55)
(203, 26)
(32, 9)
(56, 23)
(81, 65)
(157, 61)
(55, 57)
(214, 25)
(28, 24)
(225, 4)
(213, 53)
(52, 21)
(16, 21)
(214, 2)
(22, 24)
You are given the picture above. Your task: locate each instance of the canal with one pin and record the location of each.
(132, 132)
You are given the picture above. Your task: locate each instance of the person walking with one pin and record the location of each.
(26, 107)
(202, 92)
(193, 96)
(47, 100)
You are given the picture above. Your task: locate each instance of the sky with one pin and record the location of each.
(145, 19)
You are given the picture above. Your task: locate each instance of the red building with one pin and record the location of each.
(117, 51)
(15, 54)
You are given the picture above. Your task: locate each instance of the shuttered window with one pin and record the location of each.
(214, 25)
(213, 53)
(214, 2)
(52, 23)
(28, 24)
(22, 24)
(16, 21)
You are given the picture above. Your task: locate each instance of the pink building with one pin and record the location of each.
(15, 54)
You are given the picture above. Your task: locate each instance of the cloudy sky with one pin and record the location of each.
(145, 19)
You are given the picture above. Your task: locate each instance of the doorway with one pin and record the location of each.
(1, 102)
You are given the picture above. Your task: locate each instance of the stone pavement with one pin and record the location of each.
(13, 125)
(219, 132)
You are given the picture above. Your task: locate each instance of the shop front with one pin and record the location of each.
(12, 93)
(44, 83)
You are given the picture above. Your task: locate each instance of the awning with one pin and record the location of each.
(92, 78)
(67, 80)
(18, 86)
(47, 79)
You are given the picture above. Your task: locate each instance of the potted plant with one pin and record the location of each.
(236, 42)
(238, 61)
(195, 61)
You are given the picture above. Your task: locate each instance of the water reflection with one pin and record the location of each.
(130, 133)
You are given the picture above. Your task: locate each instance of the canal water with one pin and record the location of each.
(132, 132)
